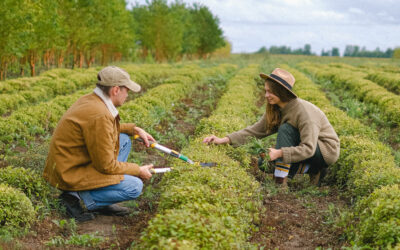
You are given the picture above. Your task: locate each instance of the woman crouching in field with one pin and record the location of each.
(306, 141)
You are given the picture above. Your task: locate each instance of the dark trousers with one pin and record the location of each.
(289, 136)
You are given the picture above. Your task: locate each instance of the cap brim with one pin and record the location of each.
(133, 86)
(267, 77)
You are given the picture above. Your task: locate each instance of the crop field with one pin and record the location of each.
(234, 205)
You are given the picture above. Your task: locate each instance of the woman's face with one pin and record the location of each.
(271, 98)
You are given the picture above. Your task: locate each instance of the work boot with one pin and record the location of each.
(282, 182)
(113, 209)
(316, 179)
(73, 208)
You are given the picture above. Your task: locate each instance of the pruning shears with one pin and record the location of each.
(176, 154)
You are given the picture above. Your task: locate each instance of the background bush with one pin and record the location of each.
(16, 210)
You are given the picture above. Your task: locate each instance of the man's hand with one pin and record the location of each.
(275, 153)
(145, 173)
(216, 140)
(145, 136)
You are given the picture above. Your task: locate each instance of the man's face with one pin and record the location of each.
(121, 93)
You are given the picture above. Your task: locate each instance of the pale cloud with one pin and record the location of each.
(356, 10)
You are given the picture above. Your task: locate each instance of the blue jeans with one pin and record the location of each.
(128, 189)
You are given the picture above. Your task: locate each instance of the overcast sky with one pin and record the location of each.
(324, 24)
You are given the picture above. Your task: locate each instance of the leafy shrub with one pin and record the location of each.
(200, 227)
(16, 210)
(26, 180)
(378, 217)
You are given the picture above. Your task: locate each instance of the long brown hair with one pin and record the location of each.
(273, 111)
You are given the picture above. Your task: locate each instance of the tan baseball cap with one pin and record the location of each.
(115, 76)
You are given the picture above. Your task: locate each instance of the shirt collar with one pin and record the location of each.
(110, 106)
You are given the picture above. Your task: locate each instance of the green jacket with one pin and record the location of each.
(313, 126)
(84, 148)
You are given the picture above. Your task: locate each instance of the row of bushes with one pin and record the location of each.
(382, 68)
(365, 166)
(37, 190)
(23, 124)
(364, 90)
(21, 92)
(388, 80)
(16, 213)
(210, 208)
(150, 108)
(24, 196)
(391, 81)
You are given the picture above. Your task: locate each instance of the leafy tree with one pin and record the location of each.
(40, 29)
(208, 30)
(335, 51)
(351, 50)
(263, 49)
(226, 50)
(396, 53)
(13, 16)
(159, 29)
(307, 49)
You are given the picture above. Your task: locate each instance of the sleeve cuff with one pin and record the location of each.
(128, 128)
(286, 158)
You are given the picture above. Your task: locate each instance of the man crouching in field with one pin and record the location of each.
(89, 150)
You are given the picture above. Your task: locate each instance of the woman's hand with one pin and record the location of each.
(275, 153)
(216, 140)
(145, 136)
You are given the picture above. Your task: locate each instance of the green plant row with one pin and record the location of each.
(388, 80)
(391, 81)
(28, 91)
(210, 208)
(16, 211)
(382, 67)
(24, 124)
(365, 166)
(378, 220)
(150, 108)
(364, 90)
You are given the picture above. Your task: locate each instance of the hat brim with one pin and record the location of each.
(133, 86)
(267, 77)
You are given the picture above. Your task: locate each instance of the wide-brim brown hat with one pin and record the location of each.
(282, 77)
(115, 76)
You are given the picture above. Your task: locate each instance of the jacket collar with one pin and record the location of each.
(110, 106)
(290, 105)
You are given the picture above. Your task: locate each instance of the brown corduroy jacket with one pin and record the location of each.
(313, 126)
(84, 148)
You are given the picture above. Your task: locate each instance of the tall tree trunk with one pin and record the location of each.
(60, 58)
(81, 58)
(22, 62)
(145, 51)
(104, 54)
(3, 69)
(74, 57)
(90, 58)
(45, 59)
(32, 62)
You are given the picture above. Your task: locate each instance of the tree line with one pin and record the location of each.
(78, 33)
(350, 51)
